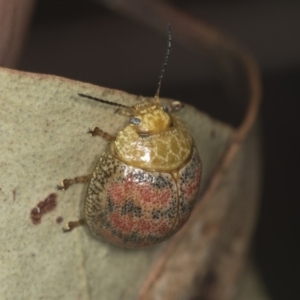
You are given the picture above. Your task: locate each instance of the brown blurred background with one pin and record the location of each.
(82, 40)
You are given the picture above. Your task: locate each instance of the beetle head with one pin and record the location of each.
(150, 118)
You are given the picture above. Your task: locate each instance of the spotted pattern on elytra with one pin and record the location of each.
(190, 177)
(136, 208)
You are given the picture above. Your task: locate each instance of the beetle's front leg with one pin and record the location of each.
(66, 183)
(72, 224)
(103, 134)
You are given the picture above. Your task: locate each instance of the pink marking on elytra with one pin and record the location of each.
(163, 228)
(128, 224)
(145, 226)
(116, 193)
(139, 193)
(190, 189)
(122, 223)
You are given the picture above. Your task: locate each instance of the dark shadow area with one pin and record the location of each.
(277, 245)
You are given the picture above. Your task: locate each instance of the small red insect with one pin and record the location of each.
(144, 188)
(42, 208)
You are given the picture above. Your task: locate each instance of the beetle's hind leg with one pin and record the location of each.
(72, 224)
(98, 132)
(66, 183)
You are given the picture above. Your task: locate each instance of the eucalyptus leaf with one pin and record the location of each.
(43, 131)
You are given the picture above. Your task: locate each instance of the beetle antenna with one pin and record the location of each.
(165, 63)
(104, 101)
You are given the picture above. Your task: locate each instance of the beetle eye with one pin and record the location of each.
(166, 109)
(135, 121)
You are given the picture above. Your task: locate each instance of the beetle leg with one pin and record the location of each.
(103, 134)
(68, 182)
(72, 224)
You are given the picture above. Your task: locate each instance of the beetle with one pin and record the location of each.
(145, 185)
